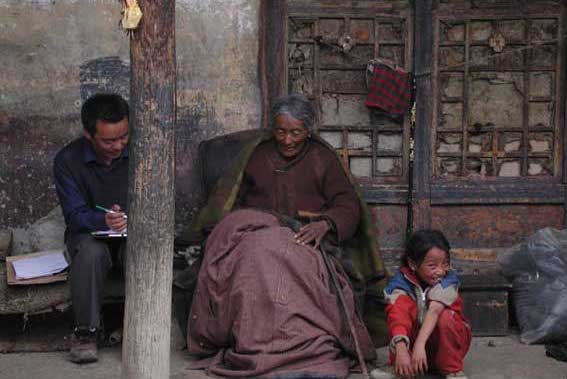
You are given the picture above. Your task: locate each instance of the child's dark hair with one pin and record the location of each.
(421, 242)
(107, 107)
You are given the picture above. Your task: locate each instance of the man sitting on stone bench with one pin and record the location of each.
(92, 171)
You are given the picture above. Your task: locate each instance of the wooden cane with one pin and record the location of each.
(293, 224)
(344, 308)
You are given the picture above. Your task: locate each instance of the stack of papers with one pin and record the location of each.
(48, 263)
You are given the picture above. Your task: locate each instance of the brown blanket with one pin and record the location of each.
(264, 306)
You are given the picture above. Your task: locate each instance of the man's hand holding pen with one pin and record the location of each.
(116, 219)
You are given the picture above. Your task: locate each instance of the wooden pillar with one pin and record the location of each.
(422, 154)
(147, 319)
(273, 20)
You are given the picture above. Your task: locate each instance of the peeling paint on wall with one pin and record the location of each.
(217, 82)
(56, 54)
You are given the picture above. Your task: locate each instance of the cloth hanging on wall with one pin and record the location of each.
(390, 88)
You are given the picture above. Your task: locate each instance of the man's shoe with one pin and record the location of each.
(84, 347)
(456, 375)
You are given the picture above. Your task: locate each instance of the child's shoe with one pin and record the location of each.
(385, 372)
(456, 375)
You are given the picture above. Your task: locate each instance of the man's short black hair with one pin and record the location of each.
(107, 107)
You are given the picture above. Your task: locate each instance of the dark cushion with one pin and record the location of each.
(216, 155)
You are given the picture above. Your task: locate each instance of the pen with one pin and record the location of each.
(107, 210)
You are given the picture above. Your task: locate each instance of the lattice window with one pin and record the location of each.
(497, 109)
(372, 145)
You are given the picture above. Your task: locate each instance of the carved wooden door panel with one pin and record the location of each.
(489, 142)
(497, 140)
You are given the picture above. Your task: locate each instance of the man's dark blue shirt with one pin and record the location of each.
(82, 183)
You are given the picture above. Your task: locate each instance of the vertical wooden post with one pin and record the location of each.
(422, 154)
(149, 259)
(273, 26)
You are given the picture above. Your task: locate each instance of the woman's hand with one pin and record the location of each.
(312, 233)
(419, 360)
(402, 366)
(116, 220)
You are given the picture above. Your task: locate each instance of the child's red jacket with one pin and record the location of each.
(403, 293)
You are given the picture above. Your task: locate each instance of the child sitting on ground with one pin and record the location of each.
(425, 311)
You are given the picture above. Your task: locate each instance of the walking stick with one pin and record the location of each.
(295, 225)
(343, 306)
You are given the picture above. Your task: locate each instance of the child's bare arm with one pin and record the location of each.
(403, 365)
(419, 357)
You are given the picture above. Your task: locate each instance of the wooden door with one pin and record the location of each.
(488, 163)
(497, 141)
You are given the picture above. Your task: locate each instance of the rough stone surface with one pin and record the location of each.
(30, 299)
(44, 234)
(20, 242)
(47, 233)
(5, 242)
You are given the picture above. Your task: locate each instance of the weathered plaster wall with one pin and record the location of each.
(217, 80)
(56, 53)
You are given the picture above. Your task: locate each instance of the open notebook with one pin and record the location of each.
(109, 234)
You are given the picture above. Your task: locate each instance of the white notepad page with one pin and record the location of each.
(49, 263)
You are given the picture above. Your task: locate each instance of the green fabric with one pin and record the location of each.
(361, 251)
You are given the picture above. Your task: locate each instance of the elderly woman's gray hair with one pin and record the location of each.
(297, 106)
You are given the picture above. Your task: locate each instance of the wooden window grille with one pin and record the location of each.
(497, 106)
(373, 146)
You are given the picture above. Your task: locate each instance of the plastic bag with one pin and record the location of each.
(538, 270)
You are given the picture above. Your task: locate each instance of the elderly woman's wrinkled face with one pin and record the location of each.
(290, 135)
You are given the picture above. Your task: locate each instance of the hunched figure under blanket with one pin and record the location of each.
(264, 305)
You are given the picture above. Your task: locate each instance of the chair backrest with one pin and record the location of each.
(216, 155)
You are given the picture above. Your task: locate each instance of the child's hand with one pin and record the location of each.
(402, 365)
(419, 360)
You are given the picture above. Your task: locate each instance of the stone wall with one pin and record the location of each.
(55, 54)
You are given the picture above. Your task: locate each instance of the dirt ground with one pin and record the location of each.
(26, 352)
(489, 358)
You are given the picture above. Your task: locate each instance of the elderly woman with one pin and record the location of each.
(264, 304)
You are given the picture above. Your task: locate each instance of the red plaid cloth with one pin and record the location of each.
(389, 90)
